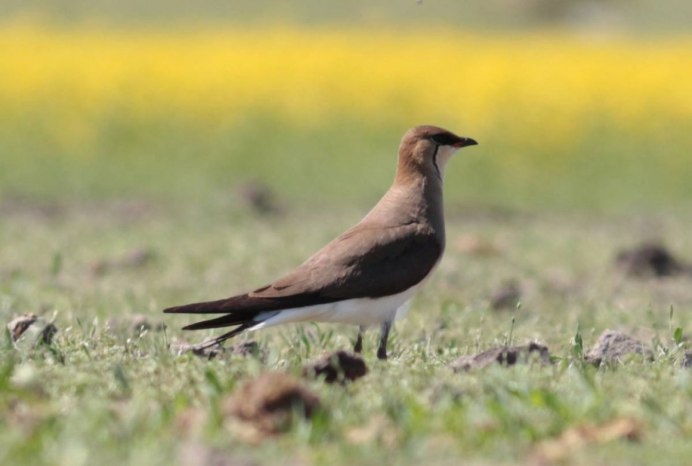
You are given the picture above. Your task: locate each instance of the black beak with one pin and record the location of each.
(464, 142)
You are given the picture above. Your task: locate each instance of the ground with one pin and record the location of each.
(104, 390)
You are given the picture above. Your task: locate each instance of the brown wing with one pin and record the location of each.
(366, 261)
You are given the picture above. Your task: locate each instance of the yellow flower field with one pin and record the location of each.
(547, 82)
(556, 112)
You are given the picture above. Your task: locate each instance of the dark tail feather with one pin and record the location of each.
(242, 303)
(236, 318)
(239, 310)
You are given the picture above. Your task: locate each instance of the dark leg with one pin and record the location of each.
(358, 347)
(384, 335)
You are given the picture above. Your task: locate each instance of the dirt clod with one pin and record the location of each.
(139, 323)
(270, 401)
(134, 259)
(505, 355)
(341, 366)
(507, 296)
(40, 329)
(614, 346)
(650, 260)
(258, 198)
(687, 360)
(247, 348)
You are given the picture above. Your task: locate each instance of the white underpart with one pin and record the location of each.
(443, 155)
(359, 311)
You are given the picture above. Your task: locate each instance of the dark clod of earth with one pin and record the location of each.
(133, 259)
(507, 296)
(614, 346)
(505, 355)
(258, 198)
(687, 360)
(341, 366)
(271, 401)
(650, 260)
(42, 330)
(247, 348)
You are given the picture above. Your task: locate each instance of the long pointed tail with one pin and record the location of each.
(240, 312)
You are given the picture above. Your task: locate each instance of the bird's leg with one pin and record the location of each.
(358, 347)
(384, 335)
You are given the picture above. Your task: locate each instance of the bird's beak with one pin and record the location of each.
(464, 142)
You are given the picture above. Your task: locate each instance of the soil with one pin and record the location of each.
(341, 366)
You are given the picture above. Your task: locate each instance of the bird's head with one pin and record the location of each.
(426, 150)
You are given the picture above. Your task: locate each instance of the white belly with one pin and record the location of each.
(360, 311)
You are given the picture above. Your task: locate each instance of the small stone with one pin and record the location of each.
(247, 348)
(687, 360)
(507, 296)
(505, 355)
(140, 323)
(258, 198)
(270, 402)
(41, 329)
(613, 346)
(133, 259)
(341, 366)
(649, 260)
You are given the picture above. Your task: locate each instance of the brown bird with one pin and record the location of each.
(369, 273)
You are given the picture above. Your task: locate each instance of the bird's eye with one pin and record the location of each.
(443, 139)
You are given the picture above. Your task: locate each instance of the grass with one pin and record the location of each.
(553, 112)
(101, 393)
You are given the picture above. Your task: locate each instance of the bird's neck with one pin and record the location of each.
(413, 199)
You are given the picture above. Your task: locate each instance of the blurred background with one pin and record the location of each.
(578, 105)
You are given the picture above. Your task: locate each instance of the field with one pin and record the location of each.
(553, 112)
(128, 160)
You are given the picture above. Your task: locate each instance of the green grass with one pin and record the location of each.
(105, 395)
(102, 394)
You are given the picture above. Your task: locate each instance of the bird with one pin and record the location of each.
(368, 274)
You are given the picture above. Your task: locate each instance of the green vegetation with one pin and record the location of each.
(103, 393)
